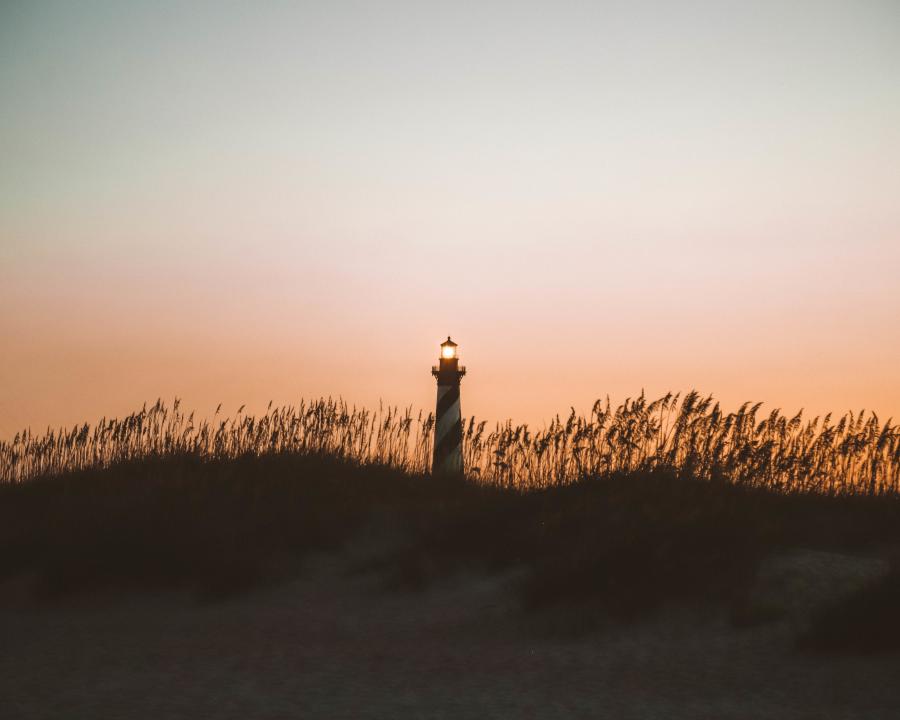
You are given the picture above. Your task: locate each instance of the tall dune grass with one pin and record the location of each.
(689, 435)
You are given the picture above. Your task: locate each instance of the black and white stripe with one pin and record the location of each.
(448, 432)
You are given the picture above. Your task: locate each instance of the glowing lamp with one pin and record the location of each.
(448, 349)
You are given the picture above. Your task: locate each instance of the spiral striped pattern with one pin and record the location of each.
(448, 432)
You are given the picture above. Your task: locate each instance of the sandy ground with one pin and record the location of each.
(338, 645)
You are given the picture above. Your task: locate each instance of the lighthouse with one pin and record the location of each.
(447, 459)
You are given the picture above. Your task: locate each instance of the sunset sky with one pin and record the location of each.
(244, 202)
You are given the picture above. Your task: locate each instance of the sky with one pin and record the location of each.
(244, 202)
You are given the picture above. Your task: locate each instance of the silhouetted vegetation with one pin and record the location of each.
(689, 437)
(621, 544)
(649, 504)
(211, 525)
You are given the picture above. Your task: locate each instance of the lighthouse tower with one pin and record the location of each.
(447, 458)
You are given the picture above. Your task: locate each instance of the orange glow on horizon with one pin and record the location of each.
(618, 189)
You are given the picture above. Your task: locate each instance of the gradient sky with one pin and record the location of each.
(244, 202)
